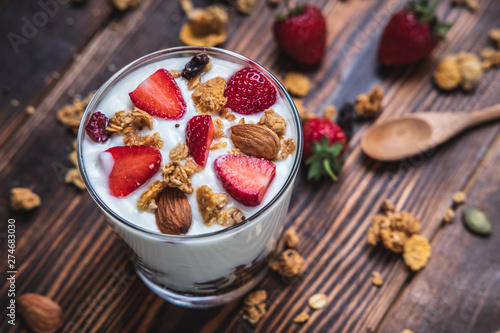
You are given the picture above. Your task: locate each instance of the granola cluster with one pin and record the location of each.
(494, 35)
(70, 115)
(254, 306)
(369, 105)
(219, 129)
(301, 318)
(226, 113)
(470, 4)
(291, 239)
(287, 149)
(73, 176)
(206, 27)
(289, 263)
(317, 301)
(330, 112)
(394, 230)
(147, 200)
(377, 279)
(211, 206)
(304, 114)
(463, 69)
(177, 175)
(209, 96)
(245, 6)
(137, 139)
(490, 58)
(274, 122)
(22, 198)
(125, 122)
(180, 152)
(297, 84)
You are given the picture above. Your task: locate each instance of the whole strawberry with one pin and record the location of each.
(411, 34)
(324, 145)
(301, 33)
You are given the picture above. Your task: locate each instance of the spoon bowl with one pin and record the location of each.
(396, 139)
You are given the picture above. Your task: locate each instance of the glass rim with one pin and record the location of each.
(187, 49)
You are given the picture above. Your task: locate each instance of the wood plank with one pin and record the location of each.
(67, 241)
(461, 280)
(40, 41)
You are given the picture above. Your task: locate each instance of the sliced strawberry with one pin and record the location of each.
(160, 96)
(245, 178)
(199, 137)
(132, 167)
(249, 92)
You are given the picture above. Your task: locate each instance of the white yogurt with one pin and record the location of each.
(98, 166)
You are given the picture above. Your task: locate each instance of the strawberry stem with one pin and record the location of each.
(430, 12)
(326, 164)
(287, 6)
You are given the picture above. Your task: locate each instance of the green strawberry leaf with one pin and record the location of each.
(325, 160)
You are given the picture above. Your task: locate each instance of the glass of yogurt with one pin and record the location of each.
(211, 263)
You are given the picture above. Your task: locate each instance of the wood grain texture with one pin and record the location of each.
(66, 250)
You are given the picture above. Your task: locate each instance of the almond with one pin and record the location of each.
(173, 215)
(256, 140)
(41, 313)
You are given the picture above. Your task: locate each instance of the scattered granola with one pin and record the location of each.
(70, 115)
(218, 145)
(206, 27)
(219, 129)
(235, 151)
(317, 301)
(291, 239)
(463, 69)
(22, 198)
(124, 122)
(407, 331)
(471, 4)
(289, 263)
(245, 6)
(494, 35)
(210, 204)
(74, 177)
(177, 175)
(287, 149)
(274, 122)
(330, 112)
(180, 152)
(449, 215)
(490, 57)
(297, 84)
(377, 279)
(175, 73)
(194, 82)
(369, 105)
(125, 4)
(387, 207)
(254, 306)
(393, 231)
(187, 6)
(147, 200)
(209, 96)
(30, 109)
(459, 197)
(137, 139)
(301, 318)
(226, 113)
(417, 251)
(229, 217)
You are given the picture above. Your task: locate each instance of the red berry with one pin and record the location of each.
(132, 167)
(302, 34)
(199, 137)
(245, 178)
(96, 127)
(249, 92)
(324, 144)
(411, 34)
(160, 96)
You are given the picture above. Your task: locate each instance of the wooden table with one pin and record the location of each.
(66, 250)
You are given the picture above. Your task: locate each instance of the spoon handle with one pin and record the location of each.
(484, 115)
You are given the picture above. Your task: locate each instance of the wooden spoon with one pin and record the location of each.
(395, 139)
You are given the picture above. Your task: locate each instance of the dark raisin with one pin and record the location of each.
(96, 127)
(195, 66)
(346, 118)
(177, 125)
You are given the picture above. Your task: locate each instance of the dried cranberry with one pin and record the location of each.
(195, 66)
(96, 127)
(346, 118)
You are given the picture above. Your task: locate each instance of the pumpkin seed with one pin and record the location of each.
(476, 221)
